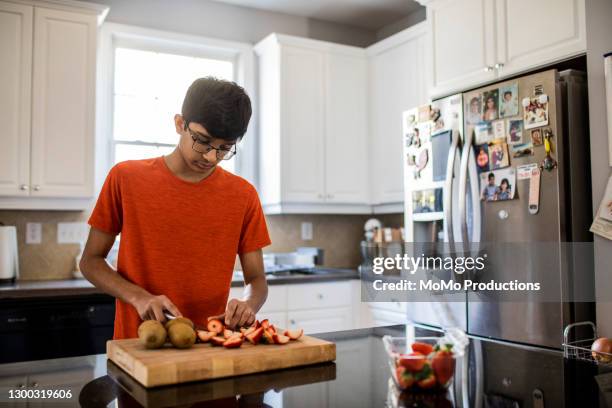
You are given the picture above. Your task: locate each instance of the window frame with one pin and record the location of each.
(113, 35)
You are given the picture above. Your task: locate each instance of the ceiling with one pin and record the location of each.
(367, 14)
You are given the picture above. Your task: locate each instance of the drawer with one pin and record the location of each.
(396, 307)
(320, 321)
(386, 318)
(319, 295)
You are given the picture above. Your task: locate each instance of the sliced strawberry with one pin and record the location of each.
(233, 342)
(255, 336)
(280, 339)
(205, 336)
(248, 331)
(270, 330)
(256, 324)
(294, 334)
(217, 340)
(267, 337)
(265, 323)
(215, 326)
(271, 327)
(228, 333)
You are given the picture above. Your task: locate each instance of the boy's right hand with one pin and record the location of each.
(151, 307)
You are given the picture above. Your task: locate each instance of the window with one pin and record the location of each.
(144, 74)
(148, 91)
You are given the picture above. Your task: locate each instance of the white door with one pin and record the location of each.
(535, 33)
(15, 89)
(398, 81)
(346, 129)
(463, 35)
(302, 126)
(63, 104)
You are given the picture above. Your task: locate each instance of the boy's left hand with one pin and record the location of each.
(238, 313)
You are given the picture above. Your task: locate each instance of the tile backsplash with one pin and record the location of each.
(338, 235)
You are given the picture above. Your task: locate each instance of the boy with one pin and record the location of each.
(489, 191)
(182, 221)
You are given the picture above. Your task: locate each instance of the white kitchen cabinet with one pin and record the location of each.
(320, 320)
(312, 126)
(48, 103)
(478, 41)
(15, 90)
(536, 33)
(398, 80)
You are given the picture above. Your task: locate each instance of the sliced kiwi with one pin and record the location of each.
(181, 335)
(152, 334)
(177, 320)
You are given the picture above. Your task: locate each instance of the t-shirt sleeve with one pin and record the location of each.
(254, 233)
(107, 215)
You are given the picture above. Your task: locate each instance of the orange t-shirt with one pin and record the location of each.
(178, 238)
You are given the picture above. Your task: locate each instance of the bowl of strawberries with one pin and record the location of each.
(422, 363)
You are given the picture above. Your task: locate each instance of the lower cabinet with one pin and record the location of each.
(320, 320)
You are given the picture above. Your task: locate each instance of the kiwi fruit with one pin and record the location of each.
(181, 335)
(179, 320)
(152, 334)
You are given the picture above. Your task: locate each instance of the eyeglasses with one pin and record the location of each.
(203, 147)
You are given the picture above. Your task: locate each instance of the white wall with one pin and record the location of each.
(228, 22)
(599, 41)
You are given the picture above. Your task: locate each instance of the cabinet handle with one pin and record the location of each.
(20, 385)
(36, 187)
(499, 66)
(24, 187)
(319, 296)
(320, 195)
(330, 196)
(488, 69)
(34, 384)
(292, 321)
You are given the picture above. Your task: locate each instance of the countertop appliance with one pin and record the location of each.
(513, 136)
(9, 258)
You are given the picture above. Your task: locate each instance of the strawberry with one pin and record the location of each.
(248, 331)
(217, 340)
(413, 362)
(443, 364)
(228, 333)
(265, 323)
(280, 339)
(215, 326)
(272, 328)
(256, 324)
(294, 334)
(255, 335)
(204, 335)
(404, 378)
(233, 342)
(267, 336)
(428, 382)
(422, 348)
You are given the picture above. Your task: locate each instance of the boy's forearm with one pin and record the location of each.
(256, 292)
(105, 278)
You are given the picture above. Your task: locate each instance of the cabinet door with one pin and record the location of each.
(346, 129)
(302, 126)
(320, 321)
(398, 81)
(63, 104)
(535, 33)
(15, 89)
(463, 35)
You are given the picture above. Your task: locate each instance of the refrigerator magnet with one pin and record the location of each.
(534, 191)
(498, 185)
(536, 137)
(515, 131)
(523, 172)
(498, 156)
(535, 114)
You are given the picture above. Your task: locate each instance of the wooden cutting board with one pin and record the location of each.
(168, 365)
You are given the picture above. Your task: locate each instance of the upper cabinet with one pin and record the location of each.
(47, 95)
(398, 81)
(312, 126)
(478, 41)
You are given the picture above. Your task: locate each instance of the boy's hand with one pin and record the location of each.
(151, 307)
(237, 314)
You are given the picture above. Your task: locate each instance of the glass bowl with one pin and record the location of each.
(422, 363)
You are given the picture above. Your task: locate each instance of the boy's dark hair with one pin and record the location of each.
(222, 107)
(508, 93)
(491, 175)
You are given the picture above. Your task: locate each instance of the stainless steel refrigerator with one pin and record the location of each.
(507, 127)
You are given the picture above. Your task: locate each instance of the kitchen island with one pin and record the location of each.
(499, 374)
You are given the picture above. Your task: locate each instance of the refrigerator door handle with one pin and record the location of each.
(448, 188)
(468, 171)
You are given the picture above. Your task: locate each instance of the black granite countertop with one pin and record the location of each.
(66, 287)
(499, 375)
